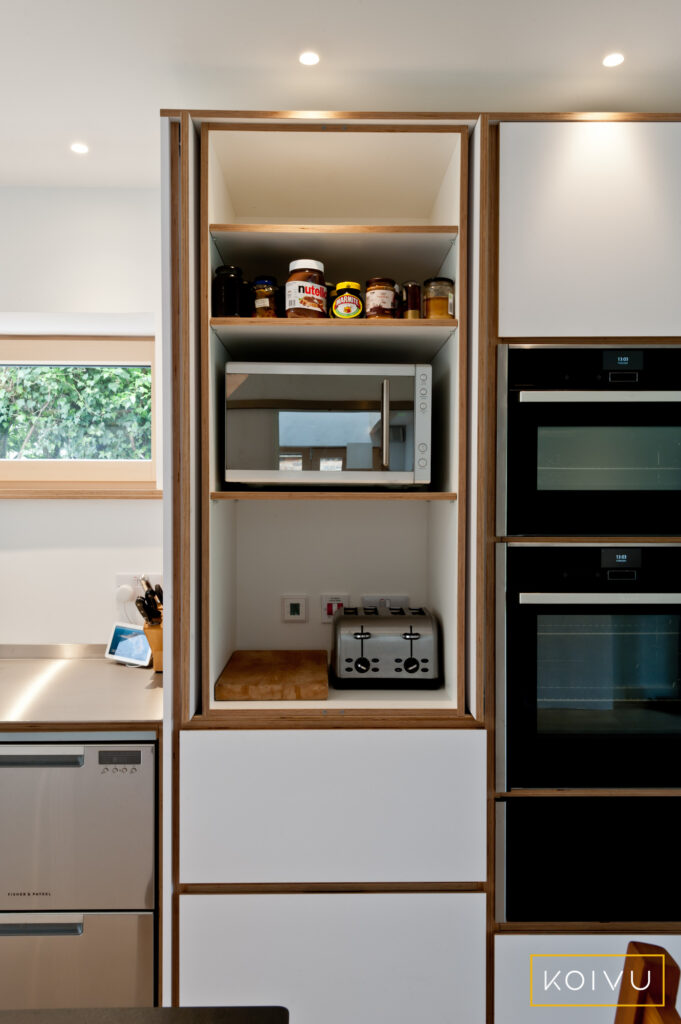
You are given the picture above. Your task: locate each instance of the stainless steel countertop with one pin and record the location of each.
(74, 683)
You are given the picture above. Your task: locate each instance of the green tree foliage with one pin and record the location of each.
(75, 412)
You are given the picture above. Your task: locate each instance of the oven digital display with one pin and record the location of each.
(614, 360)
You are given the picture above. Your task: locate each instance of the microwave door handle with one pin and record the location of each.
(598, 396)
(385, 424)
(647, 598)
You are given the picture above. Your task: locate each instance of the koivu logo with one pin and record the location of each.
(572, 979)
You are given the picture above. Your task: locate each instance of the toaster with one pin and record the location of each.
(385, 648)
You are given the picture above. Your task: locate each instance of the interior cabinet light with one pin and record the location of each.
(309, 57)
(612, 60)
(79, 147)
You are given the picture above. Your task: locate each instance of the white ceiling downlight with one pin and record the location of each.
(79, 147)
(612, 60)
(309, 57)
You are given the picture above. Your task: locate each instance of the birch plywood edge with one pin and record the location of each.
(274, 675)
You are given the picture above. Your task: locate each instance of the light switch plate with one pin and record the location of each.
(330, 603)
(294, 608)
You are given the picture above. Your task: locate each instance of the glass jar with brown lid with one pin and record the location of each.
(438, 298)
(381, 298)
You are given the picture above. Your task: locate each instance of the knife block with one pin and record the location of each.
(154, 634)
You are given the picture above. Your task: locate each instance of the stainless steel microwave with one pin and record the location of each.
(328, 424)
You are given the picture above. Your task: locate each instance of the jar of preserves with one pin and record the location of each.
(381, 298)
(305, 289)
(226, 292)
(411, 300)
(347, 303)
(438, 298)
(264, 297)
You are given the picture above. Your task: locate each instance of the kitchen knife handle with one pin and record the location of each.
(385, 424)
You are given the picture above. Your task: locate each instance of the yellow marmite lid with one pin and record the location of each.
(347, 284)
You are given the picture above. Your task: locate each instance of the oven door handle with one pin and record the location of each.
(647, 598)
(599, 396)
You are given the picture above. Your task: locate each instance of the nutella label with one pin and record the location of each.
(380, 298)
(346, 306)
(305, 295)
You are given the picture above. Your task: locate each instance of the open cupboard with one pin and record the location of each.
(366, 197)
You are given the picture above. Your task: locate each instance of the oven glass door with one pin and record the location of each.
(319, 427)
(594, 690)
(594, 463)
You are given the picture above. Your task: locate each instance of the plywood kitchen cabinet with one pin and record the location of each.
(589, 229)
(337, 957)
(366, 197)
(380, 792)
(344, 806)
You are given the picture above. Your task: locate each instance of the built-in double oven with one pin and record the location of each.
(588, 630)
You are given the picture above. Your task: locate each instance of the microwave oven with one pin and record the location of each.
(328, 424)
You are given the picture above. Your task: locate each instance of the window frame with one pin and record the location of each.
(37, 476)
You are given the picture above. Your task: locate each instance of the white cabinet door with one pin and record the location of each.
(338, 958)
(564, 975)
(590, 229)
(332, 806)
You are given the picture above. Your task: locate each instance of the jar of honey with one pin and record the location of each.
(264, 294)
(438, 298)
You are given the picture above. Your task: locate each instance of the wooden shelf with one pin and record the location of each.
(348, 252)
(333, 340)
(80, 493)
(338, 495)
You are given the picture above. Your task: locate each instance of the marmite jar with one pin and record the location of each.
(347, 303)
(305, 289)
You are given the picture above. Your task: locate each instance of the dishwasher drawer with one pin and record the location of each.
(78, 826)
(60, 961)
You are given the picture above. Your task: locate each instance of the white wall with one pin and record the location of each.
(75, 251)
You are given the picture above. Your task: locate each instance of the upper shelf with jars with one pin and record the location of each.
(365, 202)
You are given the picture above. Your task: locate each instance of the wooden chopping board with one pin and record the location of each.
(274, 675)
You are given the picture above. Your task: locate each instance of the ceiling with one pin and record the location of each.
(100, 71)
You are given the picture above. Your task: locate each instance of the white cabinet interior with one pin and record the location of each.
(589, 240)
(337, 957)
(366, 199)
(347, 805)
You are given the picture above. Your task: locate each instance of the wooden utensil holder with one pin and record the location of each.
(154, 634)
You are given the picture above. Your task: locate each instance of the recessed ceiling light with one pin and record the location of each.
(612, 60)
(309, 57)
(79, 147)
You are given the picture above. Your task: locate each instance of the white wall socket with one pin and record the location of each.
(132, 579)
(330, 603)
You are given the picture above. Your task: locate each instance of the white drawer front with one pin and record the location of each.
(319, 806)
(350, 958)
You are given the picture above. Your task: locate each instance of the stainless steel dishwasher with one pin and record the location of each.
(77, 880)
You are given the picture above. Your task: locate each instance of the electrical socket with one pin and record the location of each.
(132, 579)
(385, 600)
(330, 603)
(294, 608)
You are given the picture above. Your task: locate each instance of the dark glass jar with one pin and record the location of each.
(226, 292)
(246, 299)
(381, 298)
(411, 300)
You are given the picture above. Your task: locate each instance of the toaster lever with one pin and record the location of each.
(411, 636)
(362, 636)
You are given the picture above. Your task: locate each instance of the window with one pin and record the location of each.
(77, 411)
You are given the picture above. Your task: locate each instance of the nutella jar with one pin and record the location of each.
(381, 298)
(305, 289)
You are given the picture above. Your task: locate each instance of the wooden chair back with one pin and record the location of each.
(647, 979)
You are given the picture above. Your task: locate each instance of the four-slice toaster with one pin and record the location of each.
(385, 648)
